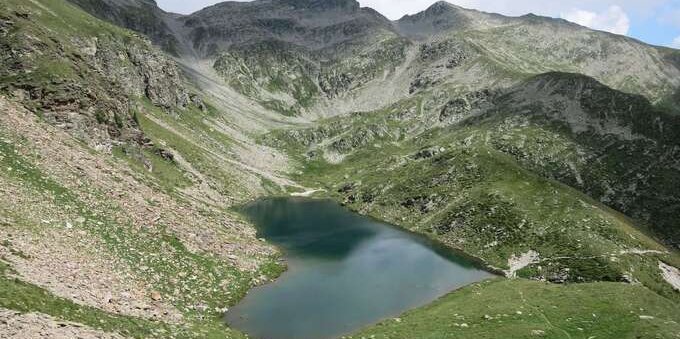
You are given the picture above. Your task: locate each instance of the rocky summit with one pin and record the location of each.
(547, 152)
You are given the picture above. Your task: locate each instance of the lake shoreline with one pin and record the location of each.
(350, 241)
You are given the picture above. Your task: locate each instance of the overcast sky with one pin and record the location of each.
(653, 21)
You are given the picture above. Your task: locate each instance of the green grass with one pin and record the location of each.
(192, 151)
(15, 166)
(59, 21)
(529, 309)
(65, 19)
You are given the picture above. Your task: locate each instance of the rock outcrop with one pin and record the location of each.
(90, 84)
(143, 16)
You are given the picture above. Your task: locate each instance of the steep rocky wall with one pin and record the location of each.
(89, 84)
(143, 16)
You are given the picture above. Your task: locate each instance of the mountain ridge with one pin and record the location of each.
(547, 151)
(213, 30)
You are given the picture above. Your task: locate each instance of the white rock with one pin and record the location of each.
(670, 274)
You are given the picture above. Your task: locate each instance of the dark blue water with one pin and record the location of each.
(345, 271)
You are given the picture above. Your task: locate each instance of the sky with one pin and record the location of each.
(653, 21)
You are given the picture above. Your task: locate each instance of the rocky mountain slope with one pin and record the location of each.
(548, 151)
(491, 180)
(450, 44)
(312, 24)
(116, 179)
(142, 16)
(532, 44)
(307, 57)
(85, 75)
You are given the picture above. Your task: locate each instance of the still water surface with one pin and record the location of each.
(345, 271)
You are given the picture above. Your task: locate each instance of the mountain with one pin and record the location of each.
(547, 151)
(359, 58)
(85, 75)
(442, 17)
(312, 24)
(143, 16)
(294, 55)
(531, 45)
(334, 57)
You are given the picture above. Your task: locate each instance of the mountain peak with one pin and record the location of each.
(318, 4)
(298, 22)
(441, 6)
(436, 9)
(438, 17)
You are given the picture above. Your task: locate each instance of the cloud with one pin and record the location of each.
(614, 19)
(676, 43)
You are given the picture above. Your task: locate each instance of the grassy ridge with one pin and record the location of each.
(529, 309)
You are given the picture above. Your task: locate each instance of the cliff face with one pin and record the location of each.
(89, 83)
(142, 16)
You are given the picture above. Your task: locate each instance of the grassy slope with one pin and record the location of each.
(193, 136)
(529, 309)
(46, 35)
(496, 207)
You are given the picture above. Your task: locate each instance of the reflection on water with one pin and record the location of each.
(345, 272)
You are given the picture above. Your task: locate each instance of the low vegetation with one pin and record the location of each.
(470, 186)
(530, 309)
